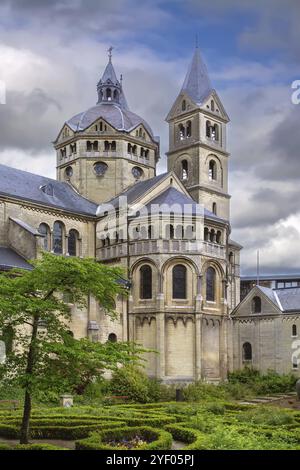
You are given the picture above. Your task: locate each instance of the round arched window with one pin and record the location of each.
(69, 171)
(100, 168)
(112, 337)
(137, 172)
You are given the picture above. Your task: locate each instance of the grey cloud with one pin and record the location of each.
(266, 207)
(27, 121)
(283, 160)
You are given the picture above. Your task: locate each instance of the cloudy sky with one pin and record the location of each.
(53, 53)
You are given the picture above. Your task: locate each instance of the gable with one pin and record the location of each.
(170, 180)
(213, 105)
(65, 133)
(100, 125)
(141, 132)
(269, 304)
(183, 104)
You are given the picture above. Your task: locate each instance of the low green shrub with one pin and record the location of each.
(183, 434)
(200, 391)
(116, 439)
(131, 382)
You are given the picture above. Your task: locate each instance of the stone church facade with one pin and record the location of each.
(170, 232)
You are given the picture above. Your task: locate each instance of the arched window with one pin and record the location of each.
(181, 131)
(212, 105)
(212, 170)
(183, 105)
(219, 236)
(146, 282)
(210, 285)
(215, 132)
(212, 237)
(214, 208)
(129, 148)
(95, 146)
(179, 232)
(101, 126)
(208, 129)
(58, 232)
(116, 95)
(134, 149)
(112, 337)
(179, 282)
(231, 258)
(206, 234)
(73, 242)
(108, 94)
(256, 304)
(150, 232)
(147, 154)
(169, 232)
(88, 146)
(113, 146)
(140, 132)
(189, 232)
(45, 231)
(294, 330)
(106, 146)
(247, 352)
(184, 170)
(189, 129)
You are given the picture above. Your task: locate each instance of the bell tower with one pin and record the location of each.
(197, 140)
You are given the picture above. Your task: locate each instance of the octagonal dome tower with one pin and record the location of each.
(107, 148)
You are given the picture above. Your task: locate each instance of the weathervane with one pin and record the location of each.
(110, 52)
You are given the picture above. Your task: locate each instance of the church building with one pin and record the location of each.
(170, 232)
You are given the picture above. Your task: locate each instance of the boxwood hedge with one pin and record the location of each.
(157, 439)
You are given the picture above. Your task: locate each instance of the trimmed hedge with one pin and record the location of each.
(159, 439)
(187, 435)
(58, 432)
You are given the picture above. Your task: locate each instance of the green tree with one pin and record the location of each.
(44, 354)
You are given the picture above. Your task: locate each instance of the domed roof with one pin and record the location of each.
(114, 114)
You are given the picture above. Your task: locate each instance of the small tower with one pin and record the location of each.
(197, 140)
(106, 149)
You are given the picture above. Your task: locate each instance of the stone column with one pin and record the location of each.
(223, 348)
(198, 346)
(160, 341)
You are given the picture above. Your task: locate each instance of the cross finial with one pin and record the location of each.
(110, 53)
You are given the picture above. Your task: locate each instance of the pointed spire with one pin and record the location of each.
(197, 83)
(109, 87)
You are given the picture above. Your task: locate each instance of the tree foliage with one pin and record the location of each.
(45, 356)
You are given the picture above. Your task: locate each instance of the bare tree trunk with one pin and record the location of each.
(24, 432)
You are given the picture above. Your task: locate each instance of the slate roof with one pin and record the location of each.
(9, 259)
(287, 300)
(197, 83)
(171, 196)
(134, 191)
(34, 188)
(26, 226)
(180, 203)
(115, 114)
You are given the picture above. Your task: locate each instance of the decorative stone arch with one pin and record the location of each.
(178, 165)
(57, 238)
(220, 170)
(135, 277)
(219, 287)
(192, 276)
